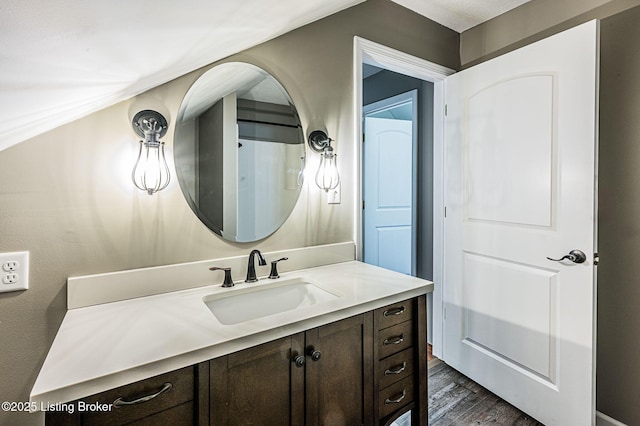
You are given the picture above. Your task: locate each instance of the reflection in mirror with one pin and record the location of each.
(239, 151)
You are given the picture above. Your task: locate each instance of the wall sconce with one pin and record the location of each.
(150, 172)
(327, 177)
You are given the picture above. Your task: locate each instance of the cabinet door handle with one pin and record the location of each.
(394, 311)
(315, 355)
(396, 370)
(398, 399)
(121, 402)
(299, 360)
(394, 340)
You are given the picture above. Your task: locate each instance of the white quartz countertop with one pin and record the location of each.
(109, 345)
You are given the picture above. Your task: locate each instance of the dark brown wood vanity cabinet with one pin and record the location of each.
(165, 399)
(364, 370)
(319, 377)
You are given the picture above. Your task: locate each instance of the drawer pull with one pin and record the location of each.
(398, 399)
(121, 402)
(396, 370)
(394, 311)
(394, 340)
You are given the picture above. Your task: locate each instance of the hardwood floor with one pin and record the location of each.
(455, 399)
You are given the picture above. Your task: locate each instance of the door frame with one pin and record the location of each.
(394, 60)
(384, 105)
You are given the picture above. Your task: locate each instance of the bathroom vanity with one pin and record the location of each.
(356, 358)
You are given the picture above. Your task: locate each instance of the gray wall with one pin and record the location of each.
(619, 218)
(66, 195)
(619, 174)
(531, 22)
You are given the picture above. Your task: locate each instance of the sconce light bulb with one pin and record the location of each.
(327, 177)
(151, 172)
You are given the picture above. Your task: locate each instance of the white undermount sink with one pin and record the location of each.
(262, 300)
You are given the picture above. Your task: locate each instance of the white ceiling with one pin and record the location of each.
(460, 15)
(61, 60)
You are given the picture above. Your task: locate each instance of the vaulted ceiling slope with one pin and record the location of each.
(61, 60)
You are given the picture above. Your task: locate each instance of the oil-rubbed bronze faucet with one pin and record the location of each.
(274, 268)
(228, 281)
(251, 268)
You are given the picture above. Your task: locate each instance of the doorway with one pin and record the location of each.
(381, 63)
(490, 325)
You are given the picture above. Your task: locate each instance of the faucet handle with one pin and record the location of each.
(274, 268)
(228, 282)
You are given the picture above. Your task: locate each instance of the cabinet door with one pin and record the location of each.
(259, 385)
(339, 386)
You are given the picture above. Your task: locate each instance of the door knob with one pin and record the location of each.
(576, 256)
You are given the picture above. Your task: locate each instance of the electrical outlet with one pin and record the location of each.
(11, 266)
(10, 278)
(14, 271)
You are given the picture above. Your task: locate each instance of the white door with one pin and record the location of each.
(388, 193)
(520, 180)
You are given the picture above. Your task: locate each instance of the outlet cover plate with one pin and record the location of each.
(333, 196)
(14, 271)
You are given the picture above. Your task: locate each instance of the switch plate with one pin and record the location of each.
(333, 196)
(14, 271)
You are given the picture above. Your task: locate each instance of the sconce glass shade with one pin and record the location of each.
(151, 172)
(327, 177)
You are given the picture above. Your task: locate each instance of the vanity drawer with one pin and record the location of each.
(395, 397)
(180, 392)
(395, 339)
(395, 368)
(393, 314)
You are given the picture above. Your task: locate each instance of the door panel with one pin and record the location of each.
(521, 335)
(503, 185)
(389, 240)
(519, 186)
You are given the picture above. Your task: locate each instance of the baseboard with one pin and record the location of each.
(604, 420)
(432, 363)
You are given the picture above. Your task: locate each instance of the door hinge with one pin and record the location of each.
(596, 259)
(445, 212)
(446, 109)
(363, 136)
(362, 204)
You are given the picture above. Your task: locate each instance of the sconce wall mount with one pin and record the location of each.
(318, 141)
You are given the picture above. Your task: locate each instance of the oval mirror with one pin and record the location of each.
(239, 151)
